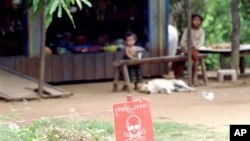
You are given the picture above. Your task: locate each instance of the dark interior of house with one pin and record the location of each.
(104, 23)
(13, 29)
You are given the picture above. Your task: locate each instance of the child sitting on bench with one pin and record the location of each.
(197, 41)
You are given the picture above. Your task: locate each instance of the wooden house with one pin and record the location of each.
(150, 16)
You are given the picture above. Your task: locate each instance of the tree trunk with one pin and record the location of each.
(42, 54)
(235, 55)
(189, 42)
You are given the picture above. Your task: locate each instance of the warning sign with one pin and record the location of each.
(133, 121)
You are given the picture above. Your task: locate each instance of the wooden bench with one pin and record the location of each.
(121, 65)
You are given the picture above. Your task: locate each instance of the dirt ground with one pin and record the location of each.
(231, 104)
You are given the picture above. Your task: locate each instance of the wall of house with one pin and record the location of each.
(70, 67)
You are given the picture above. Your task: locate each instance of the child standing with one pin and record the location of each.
(135, 73)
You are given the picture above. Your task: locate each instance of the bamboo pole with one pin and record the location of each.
(189, 42)
(42, 54)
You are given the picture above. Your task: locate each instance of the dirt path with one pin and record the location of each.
(94, 101)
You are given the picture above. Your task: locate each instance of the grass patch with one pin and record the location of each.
(169, 131)
(73, 130)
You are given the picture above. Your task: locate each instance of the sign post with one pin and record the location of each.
(133, 120)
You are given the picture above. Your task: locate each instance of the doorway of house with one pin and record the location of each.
(13, 31)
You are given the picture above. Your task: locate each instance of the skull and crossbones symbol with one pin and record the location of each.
(135, 132)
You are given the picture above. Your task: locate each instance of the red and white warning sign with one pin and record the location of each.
(133, 121)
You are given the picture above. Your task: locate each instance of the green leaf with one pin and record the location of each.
(67, 2)
(48, 20)
(35, 4)
(59, 12)
(79, 4)
(87, 3)
(54, 6)
(67, 10)
(73, 2)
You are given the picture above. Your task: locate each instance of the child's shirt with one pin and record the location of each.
(197, 38)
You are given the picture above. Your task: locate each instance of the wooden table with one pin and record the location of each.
(244, 51)
(121, 65)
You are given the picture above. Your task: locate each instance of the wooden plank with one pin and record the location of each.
(48, 69)
(109, 69)
(67, 67)
(25, 87)
(33, 67)
(51, 92)
(154, 60)
(99, 66)
(119, 55)
(4, 60)
(89, 66)
(161, 59)
(22, 65)
(18, 92)
(116, 79)
(126, 77)
(1, 61)
(78, 64)
(204, 71)
(10, 62)
(57, 68)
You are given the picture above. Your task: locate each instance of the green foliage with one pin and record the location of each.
(212, 62)
(169, 131)
(51, 6)
(244, 19)
(33, 132)
(100, 131)
(217, 18)
(217, 22)
(73, 130)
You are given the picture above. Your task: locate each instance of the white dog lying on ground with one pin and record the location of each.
(166, 86)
